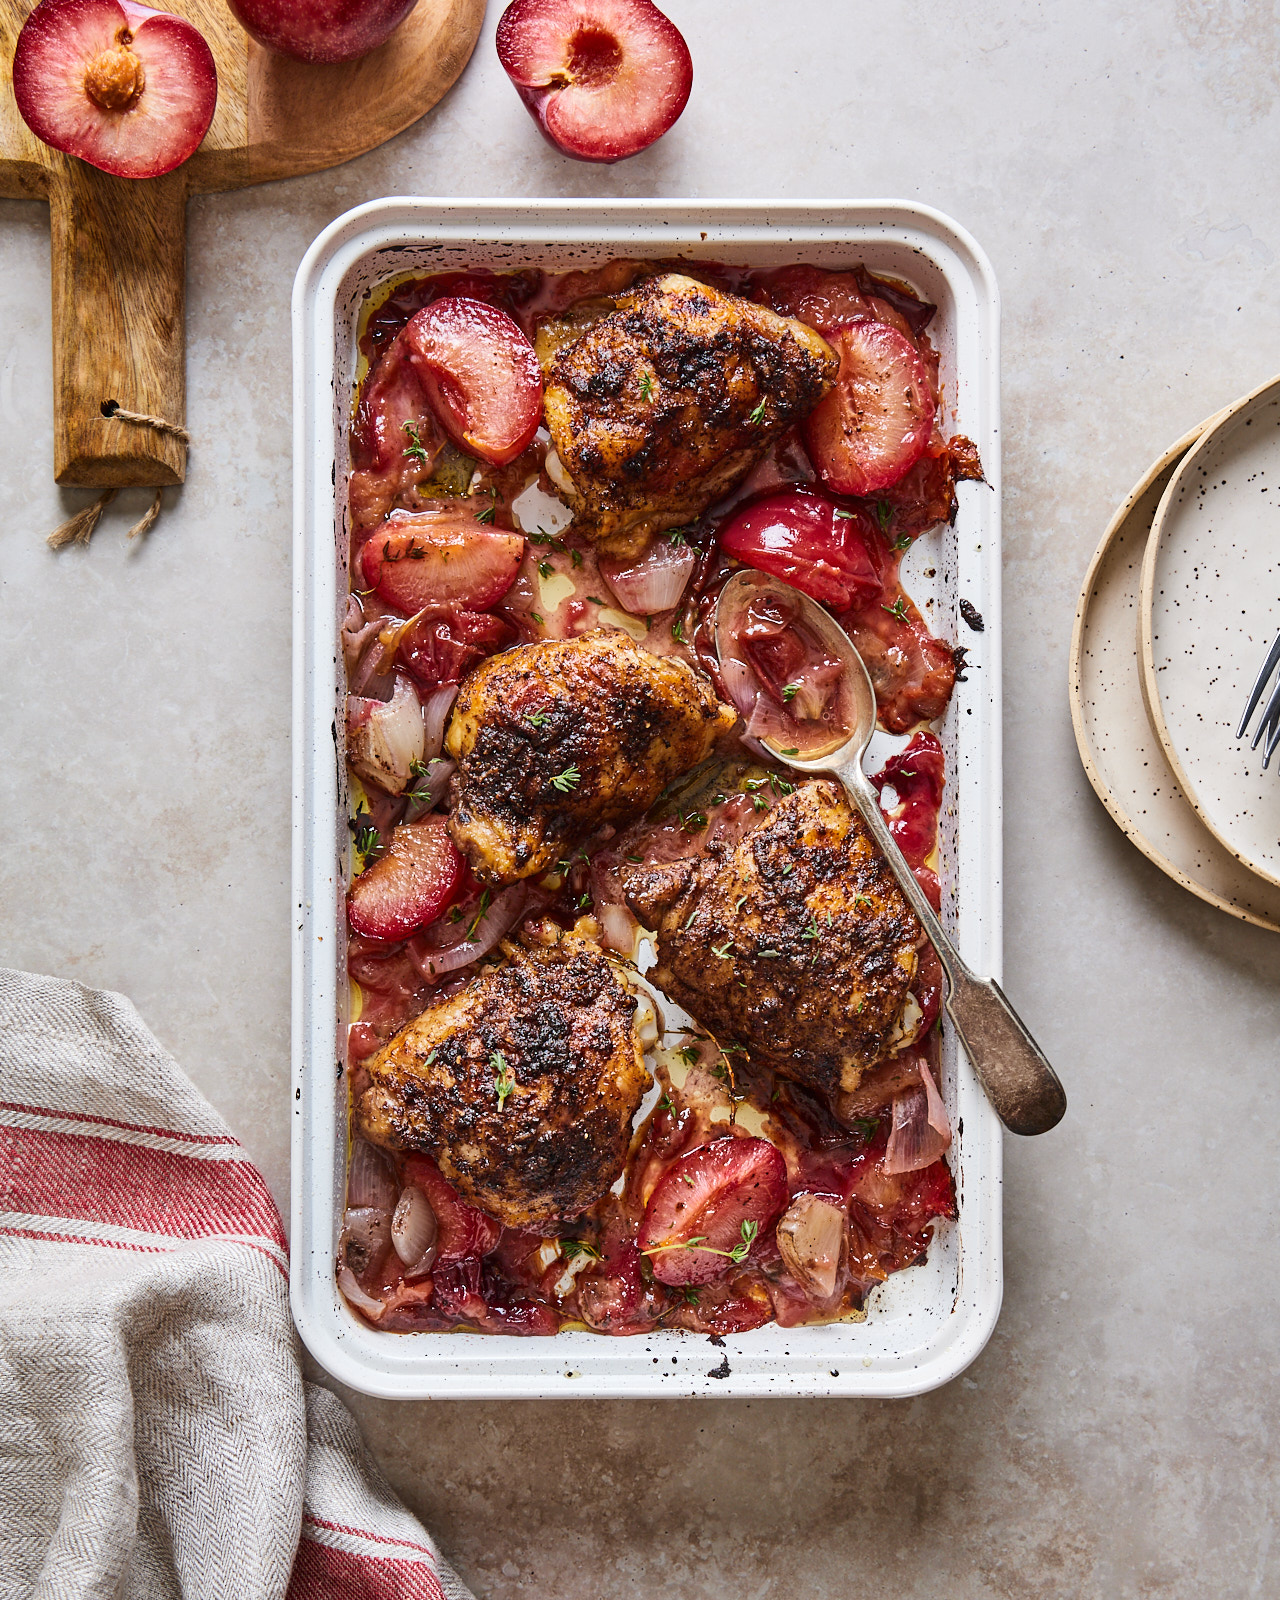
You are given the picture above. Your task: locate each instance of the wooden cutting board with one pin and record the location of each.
(119, 245)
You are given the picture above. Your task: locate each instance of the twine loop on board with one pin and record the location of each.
(78, 529)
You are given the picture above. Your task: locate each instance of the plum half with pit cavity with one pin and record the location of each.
(127, 89)
(602, 78)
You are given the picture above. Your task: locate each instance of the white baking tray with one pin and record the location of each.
(925, 1324)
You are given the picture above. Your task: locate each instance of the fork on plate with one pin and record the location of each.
(1269, 726)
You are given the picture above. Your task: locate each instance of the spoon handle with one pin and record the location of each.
(1024, 1089)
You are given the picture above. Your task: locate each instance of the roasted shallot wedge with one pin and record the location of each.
(387, 739)
(656, 581)
(814, 1245)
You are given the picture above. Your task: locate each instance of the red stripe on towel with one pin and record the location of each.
(322, 1573)
(93, 1178)
(126, 1244)
(363, 1533)
(111, 1122)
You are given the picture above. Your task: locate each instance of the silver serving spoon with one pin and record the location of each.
(1020, 1083)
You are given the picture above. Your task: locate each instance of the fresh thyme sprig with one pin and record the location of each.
(415, 449)
(485, 899)
(737, 1255)
(572, 1248)
(504, 1081)
(567, 780)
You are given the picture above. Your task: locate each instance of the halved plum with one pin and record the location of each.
(917, 775)
(442, 649)
(807, 540)
(410, 884)
(481, 376)
(602, 78)
(463, 1232)
(875, 424)
(708, 1208)
(128, 89)
(440, 559)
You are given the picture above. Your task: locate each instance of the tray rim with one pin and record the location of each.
(976, 1302)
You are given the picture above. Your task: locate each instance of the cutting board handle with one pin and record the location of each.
(119, 293)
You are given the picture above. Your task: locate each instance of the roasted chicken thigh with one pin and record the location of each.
(666, 403)
(553, 739)
(798, 945)
(522, 1085)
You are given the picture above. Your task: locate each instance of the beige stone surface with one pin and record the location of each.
(1118, 1438)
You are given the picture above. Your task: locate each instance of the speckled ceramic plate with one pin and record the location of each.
(1121, 754)
(1209, 606)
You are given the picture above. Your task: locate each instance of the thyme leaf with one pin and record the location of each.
(479, 917)
(503, 1078)
(415, 449)
(567, 780)
(741, 1250)
(573, 1248)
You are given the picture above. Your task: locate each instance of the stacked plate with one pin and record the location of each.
(1178, 609)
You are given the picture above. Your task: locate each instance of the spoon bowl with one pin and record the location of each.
(1024, 1089)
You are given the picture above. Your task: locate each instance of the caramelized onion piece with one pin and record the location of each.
(355, 1294)
(369, 1180)
(507, 908)
(413, 1232)
(921, 1131)
(655, 582)
(813, 1243)
(435, 714)
(386, 739)
(366, 1238)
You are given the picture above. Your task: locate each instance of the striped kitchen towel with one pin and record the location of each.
(156, 1437)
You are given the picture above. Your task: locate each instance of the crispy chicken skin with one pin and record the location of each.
(553, 739)
(662, 406)
(555, 1022)
(799, 945)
